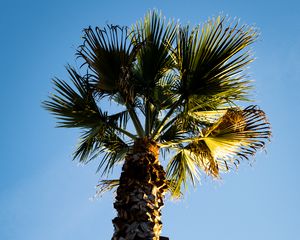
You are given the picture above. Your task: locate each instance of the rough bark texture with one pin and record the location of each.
(140, 194)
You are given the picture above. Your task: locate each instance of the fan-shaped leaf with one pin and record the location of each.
(211, 60)
(74, 107)
(155, 37)
(238, 133)
(110, 55)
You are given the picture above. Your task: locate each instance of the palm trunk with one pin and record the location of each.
(140, 194)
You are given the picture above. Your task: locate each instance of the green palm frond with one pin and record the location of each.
(173, 134)
(74, 107)
(120, 119)
(212, 59)
(178, 129)
(110, 54)
(180, 169)
(90, 142)
(155, 37)
(186, 125)
(114, 150)
(205, 103)
(187, 163)
(93, 143)
(162, 98)
(164, 95)
(193, 122)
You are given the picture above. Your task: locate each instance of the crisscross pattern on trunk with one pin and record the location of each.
(140, 194)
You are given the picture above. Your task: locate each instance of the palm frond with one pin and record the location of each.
(181, 168)
(75, 107)
(114, 150)
(155, 37)
(164, 95)
(110, 55)
(174, 133)
(239, 133)
(111, 148)
(212, 59)
(105, 186)
(208, 117)
(90, 142)
(120, 119)
(186, 125)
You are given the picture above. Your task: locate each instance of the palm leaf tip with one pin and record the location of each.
(106, 186)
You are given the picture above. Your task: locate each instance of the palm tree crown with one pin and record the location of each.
(178, 86)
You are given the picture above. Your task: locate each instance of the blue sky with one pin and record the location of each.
(44, 195)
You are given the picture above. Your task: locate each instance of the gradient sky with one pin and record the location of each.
(44, 195)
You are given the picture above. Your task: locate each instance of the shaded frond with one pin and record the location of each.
(172, 134)
(164, 95)
(120, 119)
(75, 107)
(110, 55)
(89, 143)
(155, 37)
(114, 150)
(111, 148)
(101, 140)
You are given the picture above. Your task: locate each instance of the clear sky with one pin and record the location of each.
(44, 195)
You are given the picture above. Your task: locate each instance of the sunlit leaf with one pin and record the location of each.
(239, 133)
(181, 168)
(212, 58)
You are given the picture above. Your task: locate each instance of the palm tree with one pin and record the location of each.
(171, 89)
